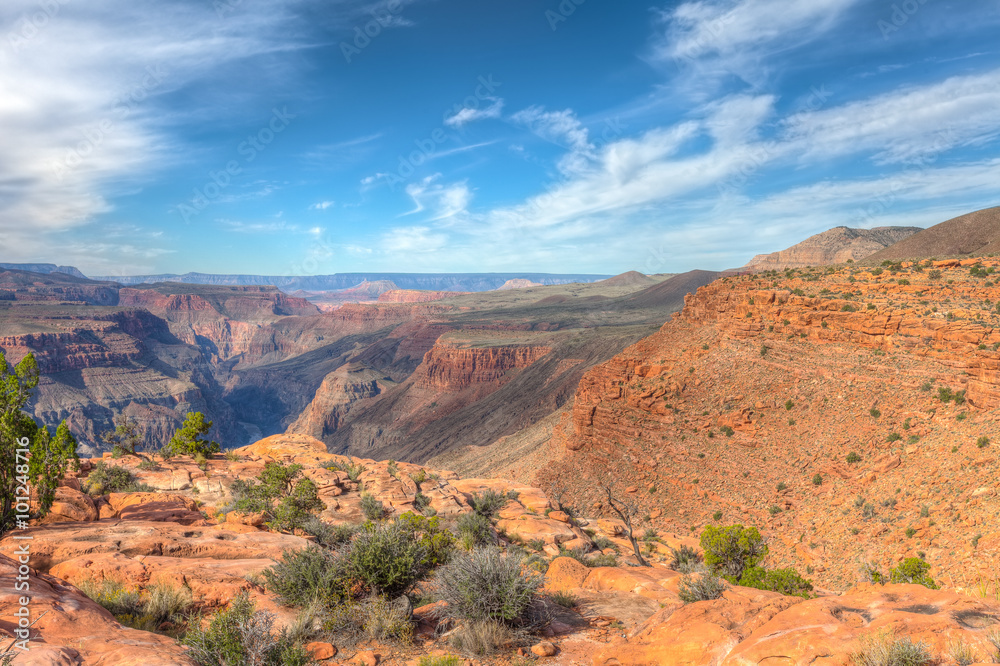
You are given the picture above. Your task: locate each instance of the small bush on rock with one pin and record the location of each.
(488, 502)
(475, 529)
(307, 575)
(700, 587)
(912, 570)
(784, 581)
(105, 479)
(686, 559)
(883, 649)
(243, 635)
(488, 585)
(372, 508)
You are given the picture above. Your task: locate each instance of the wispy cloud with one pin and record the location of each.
(322, 205)
(710, 39)
(443, 201)
(907, 125)
(468, 114)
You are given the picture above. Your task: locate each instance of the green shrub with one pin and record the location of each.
(910, 532)
(421, 502)
(727, 431)
(853, 457)
(293, 510)
(774, 509)
(487, 584)
(449, 660)
(427, 531)
(372, 508)
(785, 581)
(564, 599)
(875, 413)
(145, 611)
(328, 535)
(286, 500)
(105, 479)
(789, 404)
(307, 575)
(189, 438)
(894, 437)
(703, 586)
(243, 635)
(912, 570)
(475, 529)
(983, 442)
(818, 479)
(730, 550)
(391, 557)
(488, 502)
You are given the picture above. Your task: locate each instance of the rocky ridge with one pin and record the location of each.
(749, 405)
(834, 246)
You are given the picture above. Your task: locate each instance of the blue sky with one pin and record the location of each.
(319, 136)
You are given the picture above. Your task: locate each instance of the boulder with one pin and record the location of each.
(72, 629)
(70, 506)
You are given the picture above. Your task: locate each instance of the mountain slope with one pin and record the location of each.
(976, 233)
(747, 406)
(834, 246)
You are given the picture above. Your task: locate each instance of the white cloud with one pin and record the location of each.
(564, 129)
(468, 115)
(82, 103)
(322, 205)
(711, 39)
(909, 125)
(443, 201)
(414, 240)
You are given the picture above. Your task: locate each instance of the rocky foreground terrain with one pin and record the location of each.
(174, 534)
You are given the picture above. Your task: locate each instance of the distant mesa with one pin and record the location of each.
(629, 279)
(836, 246)
(457, 282)
(976, 233)
(518, 283)
(44, 269)
(416, 296)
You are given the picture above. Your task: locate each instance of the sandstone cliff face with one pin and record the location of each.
(835, 246)
(449, 368)
(764, 382)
